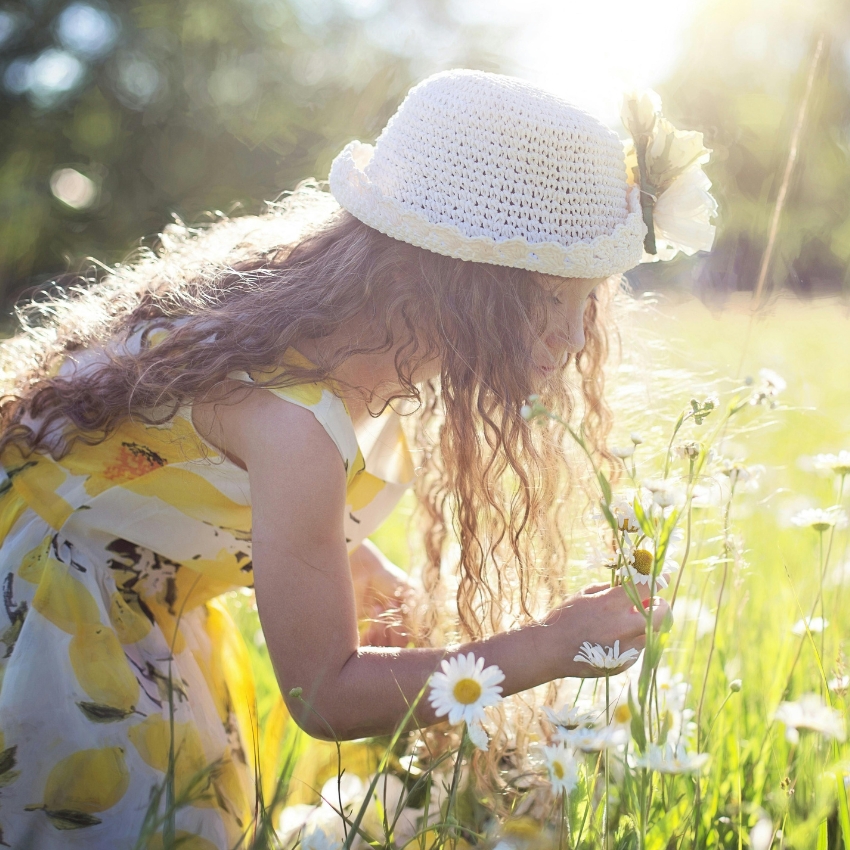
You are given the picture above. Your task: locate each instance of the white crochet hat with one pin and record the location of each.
(489, 168)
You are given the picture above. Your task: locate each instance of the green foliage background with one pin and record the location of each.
(189, 106)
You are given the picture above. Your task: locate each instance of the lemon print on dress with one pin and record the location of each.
(85, 782)
(126, 616)
(101, 667)
(63, 600)
(32, 564)
(192, 772)
(363, 490)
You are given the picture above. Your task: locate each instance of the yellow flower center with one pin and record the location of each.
(558, 769)
(622, 713)
(467, 691)
(643, 561)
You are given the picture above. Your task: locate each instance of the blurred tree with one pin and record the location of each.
(741, 79)
(116, 114)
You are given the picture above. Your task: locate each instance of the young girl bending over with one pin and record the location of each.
(220, 414)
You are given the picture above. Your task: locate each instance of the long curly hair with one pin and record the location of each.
(248, 288)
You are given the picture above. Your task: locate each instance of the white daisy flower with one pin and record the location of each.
(563, 770)
(688, 450)
(589, 739)
(636, 438)
(478, 736)
(599, 558)
(605, 658)
(771, 385)
(623, 509)
(810, 712)
(838, 464)
(670, 759)
(664, 492)
(569, 716)
(820, 519)
(816, 626)
(762, 834)
(672, 689)
(639, 562)
(776, 383)
(839, 684)
(465, 688)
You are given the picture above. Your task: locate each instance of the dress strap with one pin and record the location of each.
(328, 408)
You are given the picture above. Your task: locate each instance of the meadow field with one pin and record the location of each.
(739, 679)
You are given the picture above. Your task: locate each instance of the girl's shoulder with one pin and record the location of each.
(319, 398)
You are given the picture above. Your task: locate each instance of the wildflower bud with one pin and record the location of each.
(295, 693)
(735, 685)
(525, 411)
(622, 452)
(636, 438)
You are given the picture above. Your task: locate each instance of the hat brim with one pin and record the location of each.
(605, 255)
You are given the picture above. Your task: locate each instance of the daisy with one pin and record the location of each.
(838, 464)
(639, 562)
(664, 493)
(465, 688)
(478, 736)
(773, 382)
(589, 739)
(815, 625)
(670, 759)
(839, 684)
(623, 509)
(563, 771)
(809, 712)
(819, 519)
(771, 385)
(672, 689)
(599, 558)
(569, 716)
(605, 658)
(688, 450)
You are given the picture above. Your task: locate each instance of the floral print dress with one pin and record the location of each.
(111, 562)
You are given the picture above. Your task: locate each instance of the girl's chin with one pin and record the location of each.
(543, 377)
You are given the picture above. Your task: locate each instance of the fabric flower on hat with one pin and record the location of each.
(667, 165)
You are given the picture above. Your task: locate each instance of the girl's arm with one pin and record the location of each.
(306, 601)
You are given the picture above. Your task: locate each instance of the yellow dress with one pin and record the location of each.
(111, 560)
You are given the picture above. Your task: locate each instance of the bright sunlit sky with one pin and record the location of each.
(591, 51)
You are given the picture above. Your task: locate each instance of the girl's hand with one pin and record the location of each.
(382, 592)
(601, 615)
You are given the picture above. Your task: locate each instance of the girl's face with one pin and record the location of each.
(564, 331)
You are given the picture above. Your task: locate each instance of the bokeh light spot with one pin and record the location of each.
(73, 188)
(86, 30)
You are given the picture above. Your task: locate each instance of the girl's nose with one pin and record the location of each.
(568, 335)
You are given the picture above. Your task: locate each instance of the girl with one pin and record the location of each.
(221, 415)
